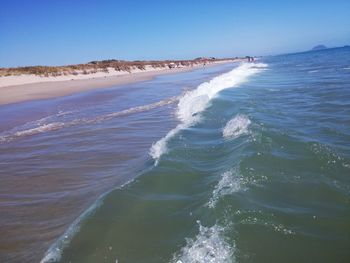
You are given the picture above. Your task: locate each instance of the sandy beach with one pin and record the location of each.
(14, 89)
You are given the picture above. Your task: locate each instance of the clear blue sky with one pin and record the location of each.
(34, 32)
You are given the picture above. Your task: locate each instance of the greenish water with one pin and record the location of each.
(254, 166)
(256, 171)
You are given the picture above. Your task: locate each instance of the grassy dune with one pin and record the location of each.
(103, 66)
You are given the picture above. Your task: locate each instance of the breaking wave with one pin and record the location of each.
(192, 103)
(231, 182)
(208, 246)
(236, 127)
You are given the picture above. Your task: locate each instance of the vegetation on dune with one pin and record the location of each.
(102, 66)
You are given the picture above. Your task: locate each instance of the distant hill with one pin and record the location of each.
(319, 47)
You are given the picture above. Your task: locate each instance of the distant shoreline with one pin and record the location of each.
(25, 87)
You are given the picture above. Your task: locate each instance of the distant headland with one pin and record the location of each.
(319, 47)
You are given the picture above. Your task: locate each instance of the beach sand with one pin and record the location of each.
(15, 89)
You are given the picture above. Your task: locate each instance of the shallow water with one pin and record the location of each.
(252, 166)
(58, 156)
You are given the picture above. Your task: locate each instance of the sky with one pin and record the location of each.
(38, 32)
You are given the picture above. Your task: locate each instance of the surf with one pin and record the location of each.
(50, 123)
(192, 103)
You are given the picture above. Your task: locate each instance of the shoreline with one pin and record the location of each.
(53, 87)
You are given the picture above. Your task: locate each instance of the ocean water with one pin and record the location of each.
(239, 163)
(58, 156)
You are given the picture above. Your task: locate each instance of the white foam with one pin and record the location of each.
(7, 137)
(160, 147)
(236, 127)
(40, 129)
(138, 109)
(208, 246)
(192, 103)
(42, 125)
(231, 182)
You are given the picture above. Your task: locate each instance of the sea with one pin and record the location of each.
(240, 162)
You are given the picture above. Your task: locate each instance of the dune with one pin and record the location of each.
(24, 87)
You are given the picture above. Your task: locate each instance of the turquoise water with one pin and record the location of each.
(257, 170)
(252, 165)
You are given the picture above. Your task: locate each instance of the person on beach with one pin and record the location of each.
(250, 59)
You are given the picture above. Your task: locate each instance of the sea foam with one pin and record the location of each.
(230, 182)
(236, 127)
(192, 103)
(208, 246)
(44, 125)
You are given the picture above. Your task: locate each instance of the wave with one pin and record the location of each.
(208, 246)
(54, 253)
(43, 126)
(10, 136)
(137, 109)
(230, 182)
(160, 147)
(236, 127)
(192, 103)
